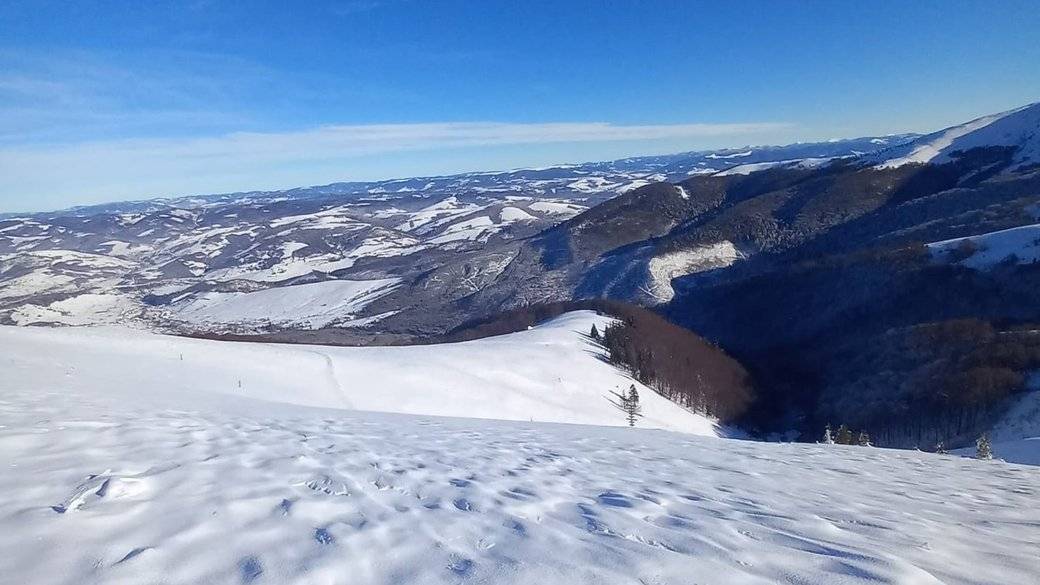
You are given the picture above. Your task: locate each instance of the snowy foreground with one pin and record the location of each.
(122, 479)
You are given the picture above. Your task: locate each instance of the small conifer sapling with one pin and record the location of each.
(983, 447)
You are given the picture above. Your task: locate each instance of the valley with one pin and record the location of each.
(920, 245)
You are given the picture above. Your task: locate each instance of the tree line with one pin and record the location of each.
(678, 364)
(942, 382)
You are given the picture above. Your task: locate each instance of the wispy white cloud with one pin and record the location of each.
(42, 176)
(75, 95)
(342, 141)
(87, 126)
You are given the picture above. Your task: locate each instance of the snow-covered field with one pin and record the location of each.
(552, 373)
(141, 459)
(311, 305)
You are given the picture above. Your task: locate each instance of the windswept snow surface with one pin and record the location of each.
(161, 470)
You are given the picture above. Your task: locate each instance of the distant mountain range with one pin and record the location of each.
(386, 257)
(614, 176)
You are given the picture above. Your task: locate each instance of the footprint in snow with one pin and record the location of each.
(250, 569)
(461, 566)
(614, 499)
(323, 536)
(285, 507)
(326, 485)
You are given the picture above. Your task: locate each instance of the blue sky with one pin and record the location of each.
(102, 101)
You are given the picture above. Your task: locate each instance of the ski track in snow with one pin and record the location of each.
(319, 496)
(330, 369)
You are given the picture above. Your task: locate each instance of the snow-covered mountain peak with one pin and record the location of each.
(1018, 128)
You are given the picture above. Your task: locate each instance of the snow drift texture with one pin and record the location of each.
(134, 458)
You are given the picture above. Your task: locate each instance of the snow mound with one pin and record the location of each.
(1019, 128)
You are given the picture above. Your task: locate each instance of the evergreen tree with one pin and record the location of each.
(633, 409)
(983, 448)
(594, 333)
(629, 404)
(844, 435)
(864, 439)
(828, 439)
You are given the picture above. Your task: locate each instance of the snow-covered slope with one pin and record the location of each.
(670, 265)
(313, 305)
(135, 471)
(1024, 451)
(1018, 128)
(1019, 245)
(1016, 435)
(804, 163)
(551, 373)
